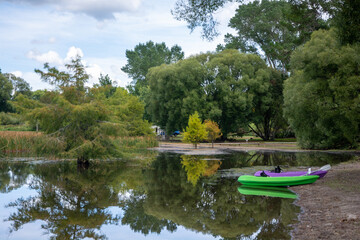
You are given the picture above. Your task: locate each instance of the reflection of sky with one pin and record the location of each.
(33, 231)
(122, 232)
(28, 231)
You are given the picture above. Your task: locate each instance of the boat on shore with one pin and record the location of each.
(277, 173)
(277, 181)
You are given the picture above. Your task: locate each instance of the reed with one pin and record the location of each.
(29, 144)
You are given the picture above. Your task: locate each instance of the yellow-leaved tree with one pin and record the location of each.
(213, 130)
(195, 131)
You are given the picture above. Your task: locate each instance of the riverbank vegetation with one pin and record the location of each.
(287, 72)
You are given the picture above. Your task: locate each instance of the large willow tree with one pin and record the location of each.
(322, 97)
(230, 88)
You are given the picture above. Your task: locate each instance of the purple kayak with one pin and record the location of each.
(321, 172)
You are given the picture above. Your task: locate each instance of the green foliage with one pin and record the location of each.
(20, 85)
(195, 131)
(347, 21)
(6, 89)
(145, 56)
(76, 75)
(199, 13)
(322, 101)
(85, 121)
(229, 88)
(10, 119)
(270, 28)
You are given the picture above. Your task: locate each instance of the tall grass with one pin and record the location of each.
(33, 144)
(29, 144)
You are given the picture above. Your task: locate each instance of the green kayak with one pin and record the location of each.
(277, 181)
(267, 191)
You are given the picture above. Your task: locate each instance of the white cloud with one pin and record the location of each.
(34, 80)
(99, 9)
(17, 74)
(93, 66)
(50, 57)
(72, 53)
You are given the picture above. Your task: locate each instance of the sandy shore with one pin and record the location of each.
(330, 208)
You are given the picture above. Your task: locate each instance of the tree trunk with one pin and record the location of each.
(195, 144)
(82, 163)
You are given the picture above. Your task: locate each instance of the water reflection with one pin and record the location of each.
(170, 192)
(280, 192)
(197, 166)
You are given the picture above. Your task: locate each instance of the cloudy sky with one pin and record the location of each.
(37, 31)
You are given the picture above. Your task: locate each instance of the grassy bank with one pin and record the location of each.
(29, 144)
(37, 144)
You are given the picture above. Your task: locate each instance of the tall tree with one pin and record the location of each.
(322, 101)
(347, 21)
(199, 13)
(145, 56)
(6, 89)
(75, 76)
(19, 84)
(175, 93)
(230, 88)
(270, 29)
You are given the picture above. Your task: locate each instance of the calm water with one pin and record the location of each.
(170, 197)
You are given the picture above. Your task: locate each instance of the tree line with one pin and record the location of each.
(291, 65)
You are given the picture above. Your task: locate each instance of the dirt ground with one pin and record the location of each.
(331, 206)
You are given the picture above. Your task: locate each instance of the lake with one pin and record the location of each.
(154, 196)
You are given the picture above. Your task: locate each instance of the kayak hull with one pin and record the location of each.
(320, 173)
(277, 181)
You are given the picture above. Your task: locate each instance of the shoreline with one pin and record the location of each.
(330, 207)
(226, 148)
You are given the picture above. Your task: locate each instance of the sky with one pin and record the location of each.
(34, 32)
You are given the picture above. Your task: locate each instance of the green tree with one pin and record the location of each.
(230, 88)
(145, 56)
(195, 131)
(269, 28)
(237, 87)
(175, 93)
(19, 84)
(200, 14)
(213, 130)
(322, 95)
(84, 120)
(6, 89)
(347, 21)
(75, 76)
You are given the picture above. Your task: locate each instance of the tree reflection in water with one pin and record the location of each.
(172, 191)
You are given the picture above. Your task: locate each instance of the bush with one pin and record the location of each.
(10, 119)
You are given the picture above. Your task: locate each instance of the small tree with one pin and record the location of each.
(213, 130)
(195, 131)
